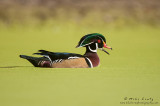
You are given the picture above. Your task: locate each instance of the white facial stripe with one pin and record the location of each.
(86, 44)
(91, 42)
(96, 46)
(83, 41)
(93, 50)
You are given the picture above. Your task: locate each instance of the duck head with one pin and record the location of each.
(93, 42)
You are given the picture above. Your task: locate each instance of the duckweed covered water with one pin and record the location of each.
(131, 71)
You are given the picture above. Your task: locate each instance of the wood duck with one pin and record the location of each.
(90, 59)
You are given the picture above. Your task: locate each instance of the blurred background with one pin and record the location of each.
(90, 12)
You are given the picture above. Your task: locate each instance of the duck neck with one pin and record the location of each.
(92, 55)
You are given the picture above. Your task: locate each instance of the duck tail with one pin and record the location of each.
(36, 61)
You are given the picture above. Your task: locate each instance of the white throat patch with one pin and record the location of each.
(93, 50)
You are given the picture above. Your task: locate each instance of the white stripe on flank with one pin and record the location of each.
(56, 60)
(73, 57)
(48, 58)
(90, 62)
(60, 60)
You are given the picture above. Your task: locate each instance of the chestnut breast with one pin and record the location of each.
(93, 58)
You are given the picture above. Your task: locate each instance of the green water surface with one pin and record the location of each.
(131, 71)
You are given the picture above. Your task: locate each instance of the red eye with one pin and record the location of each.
(99, 41)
